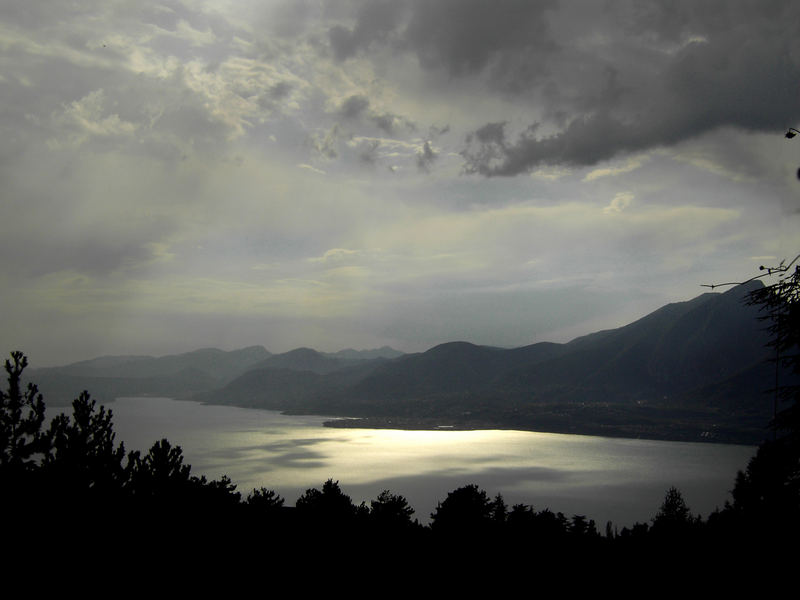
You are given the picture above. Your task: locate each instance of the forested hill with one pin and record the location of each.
(689, 370)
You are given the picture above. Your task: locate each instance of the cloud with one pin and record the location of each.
(374, 150)
(311, 168)
(354, 106)
(694, 73)
(326, 143)
(458, 37)
(336, 256)
(277, 95)
(465, 37)
(390, 123)
(375, 21)
(357, 108)
(88, 118)
(426, 157)
(630, 165)
(369, 153)
(619, 203)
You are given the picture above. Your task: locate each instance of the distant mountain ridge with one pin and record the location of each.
(688, 369)
(216, 363)
(182, 375)
(350, 354)
(674, 350)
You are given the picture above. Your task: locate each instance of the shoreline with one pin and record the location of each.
(678, 430)
(739, 438)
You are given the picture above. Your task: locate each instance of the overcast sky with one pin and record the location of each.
(337, 174)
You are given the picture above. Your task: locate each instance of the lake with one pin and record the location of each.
(605, 479)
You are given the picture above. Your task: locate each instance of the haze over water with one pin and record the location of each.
(620, 480)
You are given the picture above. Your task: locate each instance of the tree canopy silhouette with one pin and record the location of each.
(673, 519)
(77, 461)
(467, 508)
(22, 413)
(82, 455)
(766, 496)
(329, 505)
(779, 303)
(390, 511)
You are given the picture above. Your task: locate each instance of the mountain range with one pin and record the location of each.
(694, 370)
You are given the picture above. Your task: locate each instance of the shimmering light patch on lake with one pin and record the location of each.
(603, 478)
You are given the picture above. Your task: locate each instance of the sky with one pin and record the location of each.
(355, 173)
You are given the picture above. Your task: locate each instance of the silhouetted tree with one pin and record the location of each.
(165, 497)
(520, 516)
(264, 500)
(215, 494)
(82, 455)
(674, 520)
(264, 514)
(390, 511)
(767, 493)
(550, 525)
(466, 510)
(329, 507)
(610, 531)
(673, 508)
(766, 496)
(780, 306)
(580, 527)
(499, 510)
(636, 533)
(21, 416)
(160, 475)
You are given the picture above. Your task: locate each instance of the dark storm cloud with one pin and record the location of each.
(586, 141)
(375, 21)
(733, 67)
(280, 90)
(276, 95)
(461, 37)
(357, 107)
(603, 79)
(466, 36)
(385, 122)
(354, 106)
(390, 123)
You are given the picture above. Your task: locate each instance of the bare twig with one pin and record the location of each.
(781, 268)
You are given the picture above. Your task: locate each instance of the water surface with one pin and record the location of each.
(620, 480)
